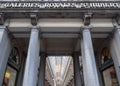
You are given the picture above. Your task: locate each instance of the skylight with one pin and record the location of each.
(58, 65)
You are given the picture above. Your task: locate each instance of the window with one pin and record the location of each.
(10, 77)
(14, 56)
(12, 68)
(108, 69)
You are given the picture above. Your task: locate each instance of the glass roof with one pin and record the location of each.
(58, 65)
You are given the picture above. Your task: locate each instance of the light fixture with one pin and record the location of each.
(7, 75)
(58, 68)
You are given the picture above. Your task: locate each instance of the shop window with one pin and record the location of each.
(12, 68)
(110, 77)
(108, 69)
(10, 77)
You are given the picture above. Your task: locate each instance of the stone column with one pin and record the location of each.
(88, 54)
(115, 51)
(41, 80)
(31, 67)
(21, 72)
(77, 77)
(5, 48)
(83, 63)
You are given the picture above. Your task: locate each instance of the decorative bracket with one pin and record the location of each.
(34, 19)
(87, 18)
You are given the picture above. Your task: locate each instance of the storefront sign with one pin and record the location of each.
(84, 5)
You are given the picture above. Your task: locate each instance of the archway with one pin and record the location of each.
(108, 69)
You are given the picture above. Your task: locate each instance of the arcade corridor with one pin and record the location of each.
(59, 42)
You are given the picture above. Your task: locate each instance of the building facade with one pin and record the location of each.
(87, 31)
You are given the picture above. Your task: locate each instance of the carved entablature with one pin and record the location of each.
(60, 5)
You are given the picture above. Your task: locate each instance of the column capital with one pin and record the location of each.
(7, 31)
(117, 27)
(86, 27)
(117, 19)
(115, 30)
(5, 28)
(2, 27)
(36, 28)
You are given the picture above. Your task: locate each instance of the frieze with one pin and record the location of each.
(82, 5)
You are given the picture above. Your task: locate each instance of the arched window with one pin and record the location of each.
(107, 68)
(14, 56)
(12, 68)
(106, 55)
